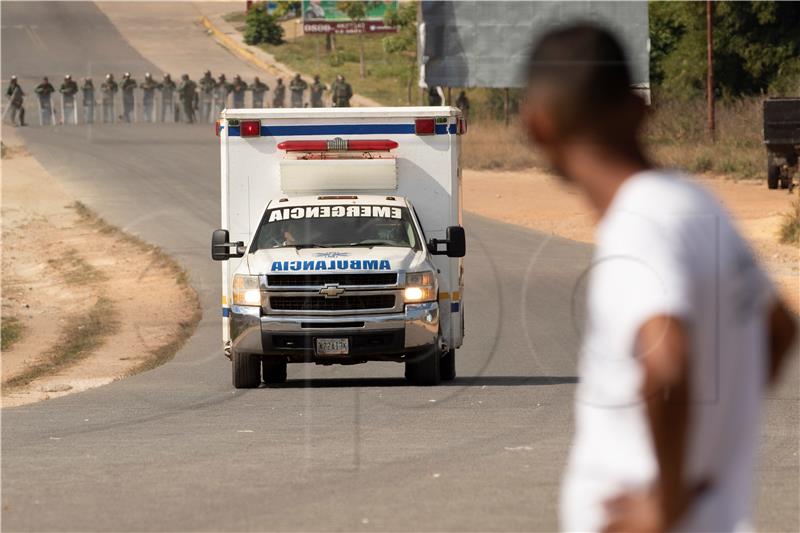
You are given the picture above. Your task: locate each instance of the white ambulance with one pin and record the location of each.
(342, 240)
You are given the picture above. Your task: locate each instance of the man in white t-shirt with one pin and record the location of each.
(683, 327)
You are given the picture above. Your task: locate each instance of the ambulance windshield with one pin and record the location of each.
(336, 226)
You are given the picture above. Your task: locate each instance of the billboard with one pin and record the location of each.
(324, 16)
(486, 43)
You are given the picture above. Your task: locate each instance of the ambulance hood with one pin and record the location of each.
(339, 260)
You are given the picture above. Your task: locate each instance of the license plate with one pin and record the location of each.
(333, 346)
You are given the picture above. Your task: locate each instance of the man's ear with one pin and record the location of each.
(538, 124)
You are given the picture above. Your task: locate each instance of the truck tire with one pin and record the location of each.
(274, 371)
(424, 369)
(447, 366)
(773, 174)
(246, 370)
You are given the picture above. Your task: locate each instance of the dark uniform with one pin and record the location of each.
(187, 91)
(206, 96)
(258, 88)
(16, 98)
(109, 89)
(462, 102)
(87, 89)
(127, 85)
(341, 92)
(148, 87)
(434, 98)
(68, 91)
(279, 96)
(221, 92)
(297, 87)
(238, 88)
(317, 88)
(167, 88)
(43, 91)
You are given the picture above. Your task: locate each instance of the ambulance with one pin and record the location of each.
(342, 239)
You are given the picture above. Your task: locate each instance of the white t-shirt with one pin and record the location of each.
(666, 247)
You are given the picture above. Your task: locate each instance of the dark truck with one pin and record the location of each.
(782, 139)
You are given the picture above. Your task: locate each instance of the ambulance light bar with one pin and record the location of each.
(338, 145)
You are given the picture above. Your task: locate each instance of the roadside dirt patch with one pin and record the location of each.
(535, 199)
(86, 303)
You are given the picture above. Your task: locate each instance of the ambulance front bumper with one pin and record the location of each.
(392, 336)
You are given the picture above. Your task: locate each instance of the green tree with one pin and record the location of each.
(261, 27)
(404, 42)
(356, 11)
(756, 47)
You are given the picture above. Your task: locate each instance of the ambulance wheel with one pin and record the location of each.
(447, 366)
(274, 371)
(424, 369)
(246, 370)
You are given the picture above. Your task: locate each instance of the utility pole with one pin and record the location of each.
(710, 73)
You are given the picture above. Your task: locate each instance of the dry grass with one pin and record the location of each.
(675, 135)
(11, 330)
(491, 145)
(789, 232)
(82, 334)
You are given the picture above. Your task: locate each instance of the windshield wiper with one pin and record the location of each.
(305, 245)
(373, 243)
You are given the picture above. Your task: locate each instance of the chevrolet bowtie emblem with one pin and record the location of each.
(331, 291)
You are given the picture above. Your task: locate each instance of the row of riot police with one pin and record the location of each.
(165, 101)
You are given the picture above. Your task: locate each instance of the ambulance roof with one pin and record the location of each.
(342, 112)
(339, 199)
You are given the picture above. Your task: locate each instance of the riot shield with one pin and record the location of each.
(206, 107)
(69, 111)
(46, 113)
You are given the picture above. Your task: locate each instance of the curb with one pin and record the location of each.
(273, 67)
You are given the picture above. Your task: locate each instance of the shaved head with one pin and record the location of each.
(580, 73)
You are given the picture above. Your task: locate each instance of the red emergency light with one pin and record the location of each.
(425, 126)
(339, 145)
(250, 128)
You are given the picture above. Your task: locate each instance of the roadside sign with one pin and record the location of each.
(323, 16)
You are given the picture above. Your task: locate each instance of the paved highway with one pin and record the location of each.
(337, 448)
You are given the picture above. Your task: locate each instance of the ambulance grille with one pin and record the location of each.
(320, 280)
(343, 303)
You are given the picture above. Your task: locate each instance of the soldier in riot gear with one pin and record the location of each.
(87, 89)
(279, 96)
(238, 88)
(187, 91)
(258, 89)
(341, 92)
(16, 98)
(127, 85)
(462, 102)
(68, 91)
(148, 87)
(221, 91)
(206, 87)
(43, 91)
(297, 87)
(167, 88)
(317, 88)
(109, 89)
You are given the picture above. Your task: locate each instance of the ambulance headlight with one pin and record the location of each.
(246, 290)
(420, 287)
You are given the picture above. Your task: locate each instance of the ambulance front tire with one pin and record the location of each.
(447, 366)
(424, 369)
(246, 370)
(274, 371)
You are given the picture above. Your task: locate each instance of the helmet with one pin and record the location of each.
(13, 78)
(166, 75)
(127, 75)
(109, 76)
(207, 73)
(67, 77)
(147, 75)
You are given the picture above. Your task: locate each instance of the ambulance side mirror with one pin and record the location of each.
(456, 243)
(221, 247)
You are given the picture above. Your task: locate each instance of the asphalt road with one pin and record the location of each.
(337, 448)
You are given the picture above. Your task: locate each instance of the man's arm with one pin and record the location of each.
(781, 331)
(663, 349)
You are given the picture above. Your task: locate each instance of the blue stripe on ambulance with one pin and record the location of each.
(342, 129)
(226, 312)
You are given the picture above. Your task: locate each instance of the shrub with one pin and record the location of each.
(789, 232)
(261, 27)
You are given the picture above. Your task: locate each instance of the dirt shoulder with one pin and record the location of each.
(536, 199)
(74, 312)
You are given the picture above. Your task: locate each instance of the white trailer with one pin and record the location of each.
(341, 239)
